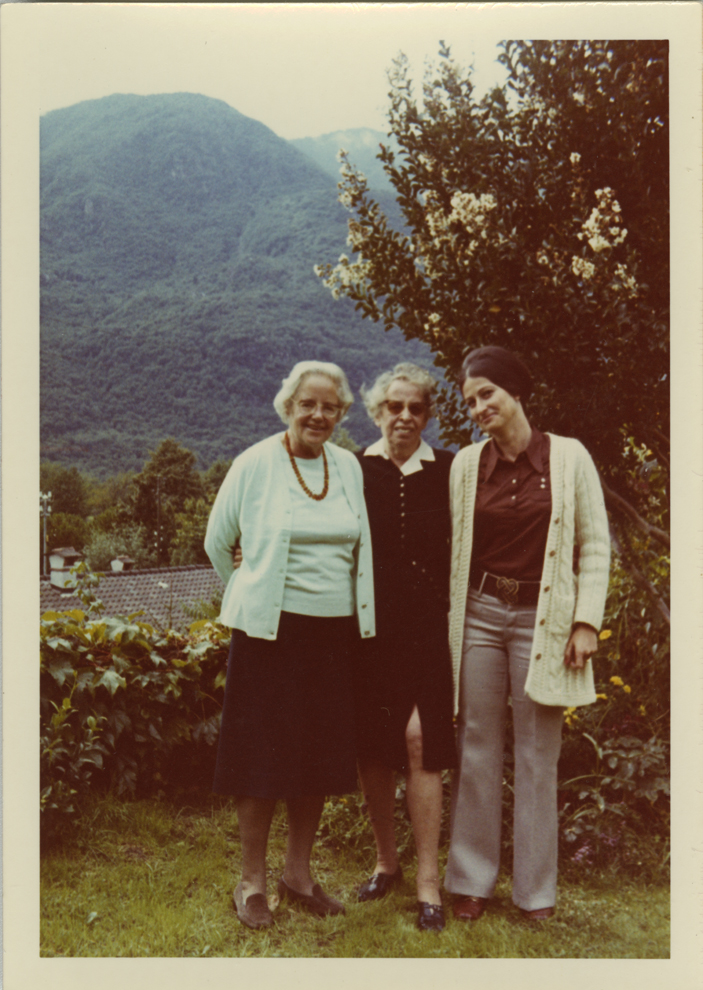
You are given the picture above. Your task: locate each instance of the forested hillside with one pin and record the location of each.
(178, 239)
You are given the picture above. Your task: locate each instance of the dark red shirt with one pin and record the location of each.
(513, 507)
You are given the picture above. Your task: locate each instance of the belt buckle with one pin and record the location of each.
(507, 589)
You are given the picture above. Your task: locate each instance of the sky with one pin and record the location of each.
(303, 70)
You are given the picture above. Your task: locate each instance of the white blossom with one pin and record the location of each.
(574, 158)
(582, 268)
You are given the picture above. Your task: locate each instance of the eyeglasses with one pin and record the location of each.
(414, 408)
(309, 407)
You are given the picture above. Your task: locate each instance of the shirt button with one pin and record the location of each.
(363, 606)
(367, 633)
(552, 553)
(542, 621)
(556, 520)
(547, 588)
(538, 656)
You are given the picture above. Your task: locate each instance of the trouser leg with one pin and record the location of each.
(474, 854)
(537, 731)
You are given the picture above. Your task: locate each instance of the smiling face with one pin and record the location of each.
(402, 417)
(315, 410)
(490, 406)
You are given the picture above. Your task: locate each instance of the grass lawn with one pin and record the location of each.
(149, 879)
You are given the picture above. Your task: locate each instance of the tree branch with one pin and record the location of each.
(618, 503)
(639, 579)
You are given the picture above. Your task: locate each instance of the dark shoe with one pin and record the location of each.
(252, 912)
(540, 914)
(379, 885)
(430, 917)
(318, 902)
(469, 908)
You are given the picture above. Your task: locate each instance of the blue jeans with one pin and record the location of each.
(495, 660)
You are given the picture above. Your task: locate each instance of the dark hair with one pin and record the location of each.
(499, 366)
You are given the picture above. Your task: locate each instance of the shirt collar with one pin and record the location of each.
(423, 453)
(534, 452)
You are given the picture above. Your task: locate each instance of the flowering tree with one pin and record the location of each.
(536, 219)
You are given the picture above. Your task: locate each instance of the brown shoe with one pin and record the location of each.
(469, 908)
(540, 914)
(252, 912)
(318, 902)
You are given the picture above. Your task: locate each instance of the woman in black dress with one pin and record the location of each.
(404, 682)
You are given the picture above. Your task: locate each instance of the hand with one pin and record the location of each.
(237, 556)
(583, 643)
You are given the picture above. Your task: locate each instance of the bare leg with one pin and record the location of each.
(378, 785)
(254, 816)
(303, 819)
(424, 794)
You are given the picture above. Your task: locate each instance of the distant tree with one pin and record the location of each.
(109, 495)
(64, 529)
(160, 491)
(68, 487)
(215, 475)
(187, 546)
(130, 540)
(536, 219)
(343, 438)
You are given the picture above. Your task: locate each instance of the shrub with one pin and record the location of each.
(126, 708)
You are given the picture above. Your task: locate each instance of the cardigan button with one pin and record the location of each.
(552, 553)
(542, 621)
(538, 656)
(547, 588)
(556, 520)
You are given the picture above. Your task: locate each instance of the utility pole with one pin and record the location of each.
(45, 510)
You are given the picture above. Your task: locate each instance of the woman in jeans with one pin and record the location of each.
(529, 577)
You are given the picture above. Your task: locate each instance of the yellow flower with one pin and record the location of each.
(643, 710)
(627, 689)
(617, 681)
(603, 697)
(606, 634)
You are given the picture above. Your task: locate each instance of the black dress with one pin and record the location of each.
(408, 661)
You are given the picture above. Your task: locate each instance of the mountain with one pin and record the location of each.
(362, 143)
(178, 239)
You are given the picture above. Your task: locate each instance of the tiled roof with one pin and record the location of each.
(160, 593)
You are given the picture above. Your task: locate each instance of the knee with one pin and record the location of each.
(413, 741)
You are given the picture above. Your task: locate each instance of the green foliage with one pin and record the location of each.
(124, 707)
(187, 546)
(160, 491)
(127, 539)
(69, 489)
(536, 220)
(66, 530)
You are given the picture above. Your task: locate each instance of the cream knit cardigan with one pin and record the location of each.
(578, 519)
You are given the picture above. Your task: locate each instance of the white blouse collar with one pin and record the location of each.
(423, 453)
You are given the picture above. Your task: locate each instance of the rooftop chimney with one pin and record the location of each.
(61, 561)
(122, 564)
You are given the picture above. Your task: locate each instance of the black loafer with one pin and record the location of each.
(318, 902)
(430, 917)
(379, 885)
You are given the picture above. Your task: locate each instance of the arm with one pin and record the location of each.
(593, 540)
(223, 528)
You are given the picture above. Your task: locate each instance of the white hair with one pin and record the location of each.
(374, 397)
(302, 370)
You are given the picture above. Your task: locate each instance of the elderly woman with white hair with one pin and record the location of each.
(299, 606)
(404, 680)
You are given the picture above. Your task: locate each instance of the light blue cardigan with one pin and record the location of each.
(253, 508)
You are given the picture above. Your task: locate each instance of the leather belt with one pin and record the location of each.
(507, 590)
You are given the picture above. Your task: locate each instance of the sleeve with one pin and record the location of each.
(593, 540)
(223, 528)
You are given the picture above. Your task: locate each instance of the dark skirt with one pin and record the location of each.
(405, 665)
(288, 716)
